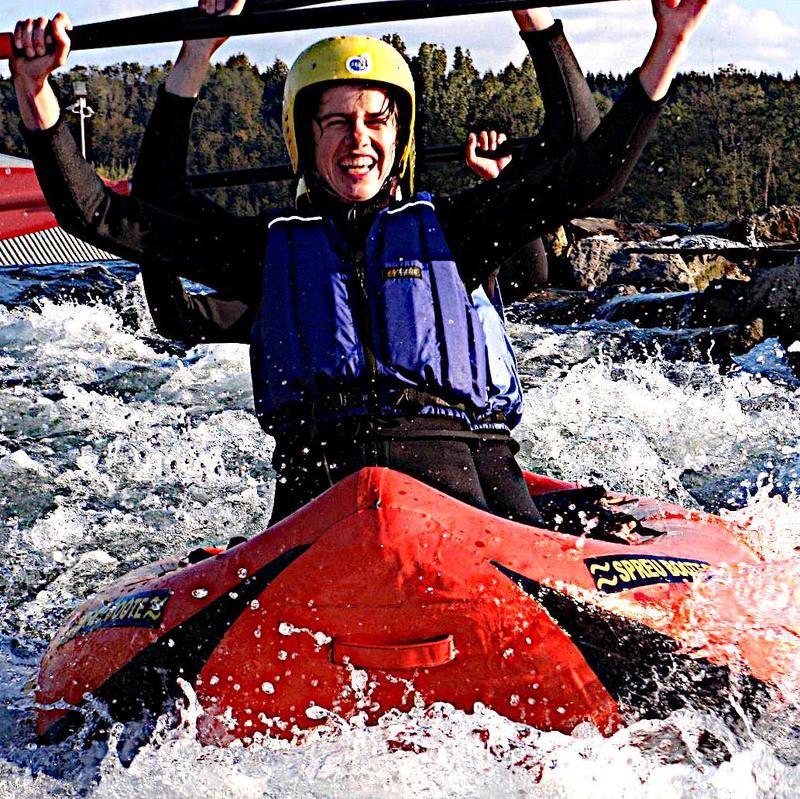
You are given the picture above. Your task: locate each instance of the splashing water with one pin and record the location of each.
(117, 448)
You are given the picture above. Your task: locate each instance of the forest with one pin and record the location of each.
(727, 144)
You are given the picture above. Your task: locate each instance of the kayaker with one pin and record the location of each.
(160, 177)
(365, 348)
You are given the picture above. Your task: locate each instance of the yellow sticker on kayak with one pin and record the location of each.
(612, 573)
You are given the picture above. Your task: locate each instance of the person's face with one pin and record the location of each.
(355, 139)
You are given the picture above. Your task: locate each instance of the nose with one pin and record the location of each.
(359, 132)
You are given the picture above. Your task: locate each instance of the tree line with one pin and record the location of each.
(727, 144)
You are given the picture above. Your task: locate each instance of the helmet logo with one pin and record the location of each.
(359, 64)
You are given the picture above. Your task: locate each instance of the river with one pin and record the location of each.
(117, 448)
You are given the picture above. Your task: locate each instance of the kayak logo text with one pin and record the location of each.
(612, 573)
(135, 610)
(359, 64)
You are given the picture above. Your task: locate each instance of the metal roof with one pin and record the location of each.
(53, 246)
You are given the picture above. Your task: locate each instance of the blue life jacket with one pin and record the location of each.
(505, 388)
(335, 322)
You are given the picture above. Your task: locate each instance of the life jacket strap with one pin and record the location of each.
(408, 400)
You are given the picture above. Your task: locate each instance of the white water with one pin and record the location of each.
(114, 453)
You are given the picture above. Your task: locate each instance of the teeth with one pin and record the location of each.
(357, 163)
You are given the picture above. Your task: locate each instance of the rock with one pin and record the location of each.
(706, 241)
(590, 261)
(771, 294)
(717, 344)
(778, 224)
(723, 302)
(19, 462)
(548, 306)
(587, 226)
(557, 243)
(597, 261)
(647, 310)
(593, 226)
(707, 268)
(642, 231)
(774, 295)
(663, 271)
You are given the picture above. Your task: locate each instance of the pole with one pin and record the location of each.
(82, 110)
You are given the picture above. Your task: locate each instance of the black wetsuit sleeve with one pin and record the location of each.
(160, 177)
(227, 255)
(487, 223)
(194, 318)
(161, 172)
(570, 116)
(570, 112)
(161, 165)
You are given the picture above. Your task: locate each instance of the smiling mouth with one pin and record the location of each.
(358, 166)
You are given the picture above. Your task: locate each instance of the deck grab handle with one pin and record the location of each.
(421, 654)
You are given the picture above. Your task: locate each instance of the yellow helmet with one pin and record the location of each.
(362, 59)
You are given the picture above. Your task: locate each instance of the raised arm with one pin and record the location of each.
(160, 178)
(570, 112)
(676, 22)
(492, 220)
(45, 48)
(227, 256)
(189, 72)
(161, 166)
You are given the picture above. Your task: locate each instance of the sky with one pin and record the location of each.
(610, 36)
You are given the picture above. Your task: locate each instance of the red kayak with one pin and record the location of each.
(23, 209)
(384, 593)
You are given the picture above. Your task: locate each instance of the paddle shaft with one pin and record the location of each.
(23, 208)
(171, 26)
(85, 37)
(269, 174)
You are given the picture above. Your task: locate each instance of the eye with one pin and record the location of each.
(383, 120)
(333, 124)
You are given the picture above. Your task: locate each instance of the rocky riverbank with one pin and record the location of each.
(718, 288)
